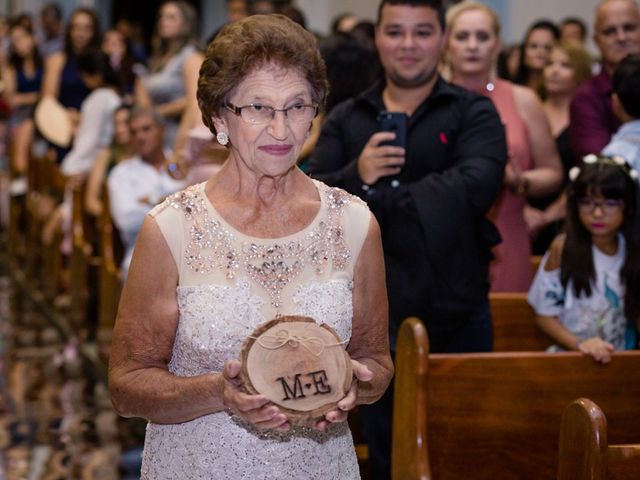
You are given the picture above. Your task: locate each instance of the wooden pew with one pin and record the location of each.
(514, 324)
(84, 262)
(53, 273)
(37, 188)
(110, 280)
(584, 451)
(497, 415)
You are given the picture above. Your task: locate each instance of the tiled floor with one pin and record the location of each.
(56, 420)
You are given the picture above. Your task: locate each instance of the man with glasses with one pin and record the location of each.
(429, 195)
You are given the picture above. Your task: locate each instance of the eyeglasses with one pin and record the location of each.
(257, 114)
(607, 206)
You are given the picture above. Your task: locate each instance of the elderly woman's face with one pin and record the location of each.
(269, 146)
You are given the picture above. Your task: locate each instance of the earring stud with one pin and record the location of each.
(222, 138)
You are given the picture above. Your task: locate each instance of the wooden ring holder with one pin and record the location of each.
(300, 366)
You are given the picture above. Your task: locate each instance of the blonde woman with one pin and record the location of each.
(534, 166)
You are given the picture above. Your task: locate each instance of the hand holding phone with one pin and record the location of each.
(383, 157)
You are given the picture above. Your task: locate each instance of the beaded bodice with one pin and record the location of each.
(271, 263)
(229, 284)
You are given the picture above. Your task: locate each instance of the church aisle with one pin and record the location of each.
(56, 419)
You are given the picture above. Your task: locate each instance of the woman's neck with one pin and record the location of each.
(558, 101)
(29, 63)
(245, 184)
(556, 108)
(475, 82)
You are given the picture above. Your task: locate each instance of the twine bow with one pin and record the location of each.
(314, 345)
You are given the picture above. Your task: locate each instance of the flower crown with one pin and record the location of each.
(616, 159)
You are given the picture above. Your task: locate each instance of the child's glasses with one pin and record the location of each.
(607, 206)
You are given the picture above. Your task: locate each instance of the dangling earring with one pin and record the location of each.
(222, 138)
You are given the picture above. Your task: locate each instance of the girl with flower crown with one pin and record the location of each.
(586, 293)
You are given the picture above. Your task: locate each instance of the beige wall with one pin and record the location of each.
(523, 12)
(516, 14)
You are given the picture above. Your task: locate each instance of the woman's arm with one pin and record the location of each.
(141, 94)
(53, 66)
(546, 176)
(553, 327)
(145, 329)
(369, 343)
(139, 380)
(597, 348)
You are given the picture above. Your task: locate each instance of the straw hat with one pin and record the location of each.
(53, 121)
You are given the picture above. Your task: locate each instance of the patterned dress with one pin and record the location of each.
(230, 283)
(599, 315)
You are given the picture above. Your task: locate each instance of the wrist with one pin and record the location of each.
(522, 185)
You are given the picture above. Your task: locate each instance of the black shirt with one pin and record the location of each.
(435, 235)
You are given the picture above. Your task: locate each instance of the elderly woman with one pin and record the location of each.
(200, 280)
(534, 166)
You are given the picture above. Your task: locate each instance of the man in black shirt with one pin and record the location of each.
(430, 197)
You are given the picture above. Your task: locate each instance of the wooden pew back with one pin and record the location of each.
(514, 324)
(584, 451)
(497, 415)
(110, 279)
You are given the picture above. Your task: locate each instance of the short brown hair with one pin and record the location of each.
(579, 59)
(244, 46)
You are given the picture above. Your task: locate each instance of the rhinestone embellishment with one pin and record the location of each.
(271, 265)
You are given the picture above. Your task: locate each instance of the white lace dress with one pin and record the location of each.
(230, 283)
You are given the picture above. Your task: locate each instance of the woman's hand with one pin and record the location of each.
(255, 409)
(535, 220)
(597, 348)
(360, 373)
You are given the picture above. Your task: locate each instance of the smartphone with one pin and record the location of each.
(395, 122)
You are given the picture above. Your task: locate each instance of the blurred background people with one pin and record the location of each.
(573, 31)
(237, 10)
(617, 34)
(52, 40)
(120, 149)
(569, 66)
(344, 22)
(118, 49)
(22, 80)
(534, 53)
(62, 79)
(533, 168)
(139, 183)
(173, 65)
